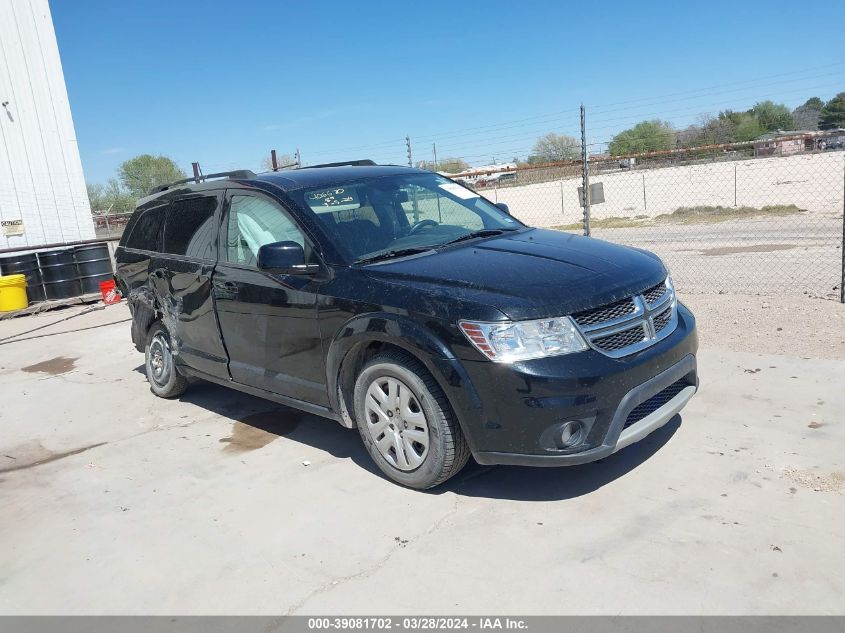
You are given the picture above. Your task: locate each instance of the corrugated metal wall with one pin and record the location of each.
(41, 179)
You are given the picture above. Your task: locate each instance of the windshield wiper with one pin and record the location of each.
(479, 233)
(392, 254)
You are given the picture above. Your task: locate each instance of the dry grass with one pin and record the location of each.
(686, 215)
(709, 215)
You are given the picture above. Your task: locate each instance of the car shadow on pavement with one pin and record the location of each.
(518, 483)
(280, 421)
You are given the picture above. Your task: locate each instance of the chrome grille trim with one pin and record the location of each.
(657, 318)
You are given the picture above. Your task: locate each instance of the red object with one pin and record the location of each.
(109, 292)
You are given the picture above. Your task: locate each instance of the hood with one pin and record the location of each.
(529, 274)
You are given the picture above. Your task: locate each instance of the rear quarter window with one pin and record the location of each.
(146, 234)
(191, 228)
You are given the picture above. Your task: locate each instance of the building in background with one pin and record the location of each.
(43, 199)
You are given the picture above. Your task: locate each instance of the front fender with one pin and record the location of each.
(421, 343)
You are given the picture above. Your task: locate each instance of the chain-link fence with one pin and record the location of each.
(110, 225)
(754, 217)
(725, 219)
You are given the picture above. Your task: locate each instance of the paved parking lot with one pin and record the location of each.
(114, 501)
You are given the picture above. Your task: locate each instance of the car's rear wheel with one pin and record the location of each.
(162, 374)
(406, 422)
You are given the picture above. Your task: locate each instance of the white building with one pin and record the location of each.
(43, 199)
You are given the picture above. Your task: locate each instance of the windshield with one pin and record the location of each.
(401, 214)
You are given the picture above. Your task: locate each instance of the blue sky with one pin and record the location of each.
(223, 83)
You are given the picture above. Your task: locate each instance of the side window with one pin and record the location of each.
(146, 233)
(254, 222)
(190, 229)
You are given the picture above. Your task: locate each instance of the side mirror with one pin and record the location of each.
(503, 207)
(285, 258)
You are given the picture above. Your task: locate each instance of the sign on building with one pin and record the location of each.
(11, 227)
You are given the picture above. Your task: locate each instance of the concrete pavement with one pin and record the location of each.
(115, 501)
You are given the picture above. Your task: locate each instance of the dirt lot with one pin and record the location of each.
(114, 501)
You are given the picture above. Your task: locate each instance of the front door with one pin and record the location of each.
(268, 322)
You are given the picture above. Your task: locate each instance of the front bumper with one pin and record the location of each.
(617, 401)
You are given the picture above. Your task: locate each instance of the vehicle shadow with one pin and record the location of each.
(517, 483)
(281, 421)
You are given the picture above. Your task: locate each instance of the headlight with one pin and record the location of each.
(509, 341)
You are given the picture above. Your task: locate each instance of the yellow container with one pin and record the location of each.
(13, 293)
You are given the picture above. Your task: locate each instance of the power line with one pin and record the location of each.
(561, 114)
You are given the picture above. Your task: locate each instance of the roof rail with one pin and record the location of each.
(365, 162)
(238, 173)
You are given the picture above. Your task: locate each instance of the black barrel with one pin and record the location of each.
(18, 264)
(93, 264)
(58, 270)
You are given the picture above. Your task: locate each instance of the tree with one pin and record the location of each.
(807, 116)
(646, 136)
(553, 147)
(833, 113)
(717, 130)
(690, 136)
(140, 174)
(448, 165)
(282, 160)
(109, 198)
(772, 116)
(747, 127)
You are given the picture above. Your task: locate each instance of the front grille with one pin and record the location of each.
(662, 319)
(655, 402)
(621, 340)
(632, 324)
(605, 313)
(655, 293)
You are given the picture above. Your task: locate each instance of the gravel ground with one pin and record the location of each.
(784, 325)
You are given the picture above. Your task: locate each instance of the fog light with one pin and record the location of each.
(570, 434)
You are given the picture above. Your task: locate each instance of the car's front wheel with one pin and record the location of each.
(406, 422)
(162, 374)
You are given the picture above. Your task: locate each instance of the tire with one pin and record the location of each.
(162, 374)
(399, 407)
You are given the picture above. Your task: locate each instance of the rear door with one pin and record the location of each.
(268, 321)
(184, 284)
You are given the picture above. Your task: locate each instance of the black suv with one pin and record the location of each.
(398, 301)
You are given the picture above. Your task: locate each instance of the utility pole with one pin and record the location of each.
(439, 212)
(298, 158)
(585, 171)
(414, 190)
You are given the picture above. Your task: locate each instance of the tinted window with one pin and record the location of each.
(254, 222)
(190, 228)
(147, 231)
